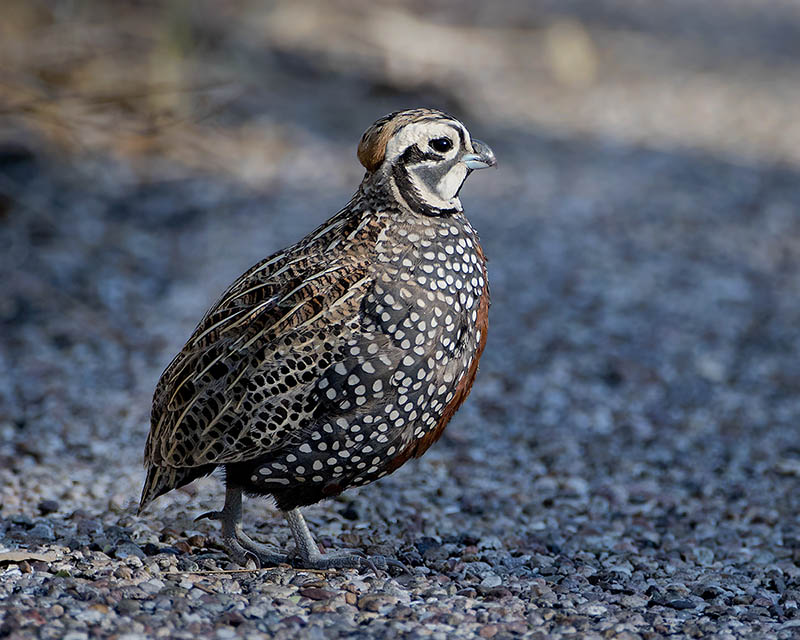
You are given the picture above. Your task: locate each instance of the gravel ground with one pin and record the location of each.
(627, 466)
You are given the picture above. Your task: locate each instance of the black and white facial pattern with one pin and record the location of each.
(427, 164)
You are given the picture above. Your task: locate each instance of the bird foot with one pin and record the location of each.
(240, 547)
(348, 559)
(242, 550)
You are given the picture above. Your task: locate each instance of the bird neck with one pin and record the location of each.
(396, 183)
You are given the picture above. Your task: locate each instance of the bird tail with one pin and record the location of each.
(157, 483)
(160, 480)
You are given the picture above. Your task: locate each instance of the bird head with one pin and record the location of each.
(426, 155)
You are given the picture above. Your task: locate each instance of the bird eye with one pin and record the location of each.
(442, 145)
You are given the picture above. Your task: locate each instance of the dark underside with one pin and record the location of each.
(298, 494)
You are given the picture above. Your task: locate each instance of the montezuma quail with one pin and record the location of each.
(332, 362)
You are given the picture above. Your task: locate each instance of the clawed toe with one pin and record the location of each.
(384, 563)
(210, 515)
(241, 556)
(242, 549)
(348, 559)
(332, 561)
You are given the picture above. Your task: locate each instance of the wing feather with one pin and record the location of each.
(201, 413)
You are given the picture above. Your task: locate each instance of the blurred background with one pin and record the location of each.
(224, 85)
(643, 232)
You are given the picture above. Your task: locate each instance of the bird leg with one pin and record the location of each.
(310, 557)
(307, 555)
(239, 546)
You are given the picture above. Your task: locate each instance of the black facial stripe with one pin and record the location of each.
(414, 155)
(409, 192)
(461, 136)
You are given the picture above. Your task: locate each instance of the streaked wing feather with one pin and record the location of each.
(200, 410)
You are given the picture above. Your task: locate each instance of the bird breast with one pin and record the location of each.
(403, 362)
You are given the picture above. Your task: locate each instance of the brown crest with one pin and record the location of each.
(372, 148)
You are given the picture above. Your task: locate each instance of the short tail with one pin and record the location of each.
(157, 483)
(160, 480)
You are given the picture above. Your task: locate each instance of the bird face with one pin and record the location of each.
(427, 155)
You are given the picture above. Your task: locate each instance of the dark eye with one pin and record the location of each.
(442, 145)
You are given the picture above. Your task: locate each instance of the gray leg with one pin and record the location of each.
(310, 557)
(239, 546)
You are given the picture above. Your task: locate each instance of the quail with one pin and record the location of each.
(331, 363)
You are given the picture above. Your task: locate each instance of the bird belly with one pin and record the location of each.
(389, 391)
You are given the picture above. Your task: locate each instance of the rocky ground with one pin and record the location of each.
(628, 464)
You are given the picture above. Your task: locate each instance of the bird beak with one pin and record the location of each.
(482, 158)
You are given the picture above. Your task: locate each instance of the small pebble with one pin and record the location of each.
(42, 532)
(48, 506)
(316, 593)
(490, 581)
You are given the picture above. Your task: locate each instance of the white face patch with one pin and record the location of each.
(440, 194)
(451, 182)
(437, 181)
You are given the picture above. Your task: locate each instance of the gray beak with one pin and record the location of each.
(482, 158)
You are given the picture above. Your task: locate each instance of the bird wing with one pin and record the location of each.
(240, 385)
